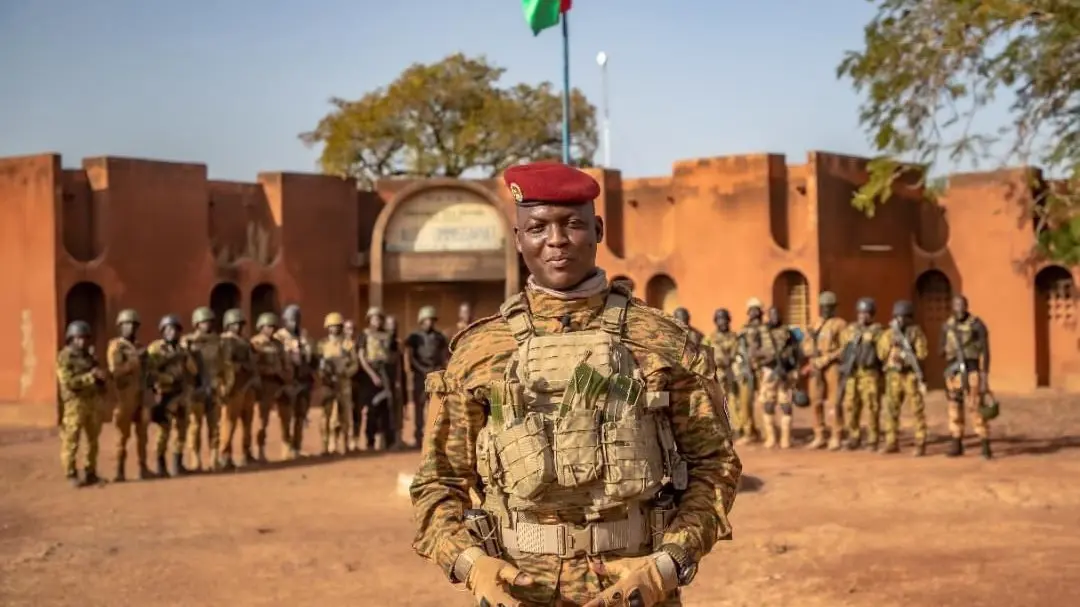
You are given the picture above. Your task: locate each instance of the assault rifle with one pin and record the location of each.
(746, 370)
(909, 356)
(847, 367)
(960, 366)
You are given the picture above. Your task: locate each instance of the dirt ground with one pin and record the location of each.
(811, 529)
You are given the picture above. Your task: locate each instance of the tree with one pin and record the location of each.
(929, 67)
(448, 119)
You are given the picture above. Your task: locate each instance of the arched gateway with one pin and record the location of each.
(440, 243)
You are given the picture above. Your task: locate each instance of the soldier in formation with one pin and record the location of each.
(683, 315)
(903, 349)
(204, 406)
(374, 349)
(126, 360)
(295, 399)
(426, 351)
(82, 385)
(724, 344)
(172, 371)
(337, 365)
(966, 348)
(822, 350)
(239, 385)
(563, 411)
(749, 370)
(776, 358)
(272, 366)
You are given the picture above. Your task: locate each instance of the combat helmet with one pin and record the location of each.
(722, 313)
(78, 328)
(866, 304)
(266, 319)
(682, 314)
(827, 298)
(374, 311)
(903, 308)
(170, 319)
(427, 312)
(754, 302)
(333, 319)
(989, 409)
(233, 316)
(291, 312)
(202, 314)
(127, 315)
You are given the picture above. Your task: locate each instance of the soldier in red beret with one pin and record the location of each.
(591, 424)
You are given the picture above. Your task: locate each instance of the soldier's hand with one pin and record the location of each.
(984, 383)
(99, 373)
(490, 579)
(640, 583)
(375, 379)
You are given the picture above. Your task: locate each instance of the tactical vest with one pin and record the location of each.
(241, 359)
(431, 342)
(866, 352)
(298, 349)
(172, 374)
(208, 347)
(773, 342)
(970, 346)
(896, 359)
(337, 351)
(724, 346)
(376, 346)
(571, 427)
(823, 338)
(75, 363)
(269, 356)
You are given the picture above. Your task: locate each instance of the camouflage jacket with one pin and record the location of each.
(669, 360)
(73, 374)
(337, 359)
(891, 350)
(300, 356)
(237, 363)
(125, 366)
(170, 367)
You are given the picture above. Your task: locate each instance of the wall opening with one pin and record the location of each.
(661, 292)
(933, 306)
(223, 297)
(791, 294)
(625, 280)
(1055, 321)
(264, 298)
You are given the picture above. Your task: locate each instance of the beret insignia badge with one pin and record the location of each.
(515, 191)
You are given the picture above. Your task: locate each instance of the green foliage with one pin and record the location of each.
(928, 67)
(449, 118)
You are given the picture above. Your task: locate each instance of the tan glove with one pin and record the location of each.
(489, 581)
(640, 583)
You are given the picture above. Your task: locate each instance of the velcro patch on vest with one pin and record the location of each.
(550, 360)
(657, 400)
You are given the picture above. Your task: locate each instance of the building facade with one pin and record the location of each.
(162, 238)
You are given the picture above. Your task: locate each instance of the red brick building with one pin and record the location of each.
(161, 237)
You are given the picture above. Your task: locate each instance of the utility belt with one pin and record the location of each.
(637, 531)
(953, 368)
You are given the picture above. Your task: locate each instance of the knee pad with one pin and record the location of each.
(770, 408)
(786, 408)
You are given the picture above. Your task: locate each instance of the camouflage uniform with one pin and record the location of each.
(239, 383)
(204, 403)
(273, 368)
(171, 370)
(966, 340)
(902, 381)
(724, 346)
(776, 383)
(823, 349)
(337, 364)
(749, 339)
(532, 491)
(374, 347)
(296, 398)
(125, 362)
(863, 389)
(81, 394)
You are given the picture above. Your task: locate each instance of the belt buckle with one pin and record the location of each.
(577, 540)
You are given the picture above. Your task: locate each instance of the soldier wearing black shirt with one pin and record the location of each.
(427, 350)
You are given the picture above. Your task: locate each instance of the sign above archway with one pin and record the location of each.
(445, 220)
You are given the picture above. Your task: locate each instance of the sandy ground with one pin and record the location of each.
(811, 529)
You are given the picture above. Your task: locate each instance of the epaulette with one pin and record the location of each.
(473, 325)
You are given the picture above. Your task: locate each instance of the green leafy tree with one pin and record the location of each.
(448, 119)
(928, 67)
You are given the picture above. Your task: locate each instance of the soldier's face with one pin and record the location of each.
(391, 323)
(959, 307)
(236, 328)
(349, 328)
(292, 323)
(464, 312)
(205, 326)
(865, 317)
(268, 330)
(334, 330)
(774, 317)
(902, 319)
(80, 342)
(170, 332)
(723, 323)
(375, 321)
(754, 313)
(826, 310)
(427, 324)
(558, 243)
(129, 329)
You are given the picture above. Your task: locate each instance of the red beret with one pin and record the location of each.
(550, 183)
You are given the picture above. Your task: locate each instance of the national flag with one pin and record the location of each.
(542, 14)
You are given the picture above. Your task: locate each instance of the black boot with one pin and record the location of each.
(986, 452)
(119, 478)
(144, 472)
(91, 478)
(956, 449)
(162, 468)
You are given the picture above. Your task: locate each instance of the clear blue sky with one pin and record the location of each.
(230, 83)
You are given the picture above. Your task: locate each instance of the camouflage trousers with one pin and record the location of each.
(79, 417)
(730, 390)
(863, 392)
(822, 389)
(747, 426)
(959, 401)
(173, 424)
(271, 396)
(131, 414)
(337, 418)
(299, 403)
(201, 413)
(572, 582)
(902, 388)
(238, 408)
(774, 388)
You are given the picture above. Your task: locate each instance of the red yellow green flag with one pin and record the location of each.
(542, 14)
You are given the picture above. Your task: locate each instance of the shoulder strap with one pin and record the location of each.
(613, 319)
(515, 311)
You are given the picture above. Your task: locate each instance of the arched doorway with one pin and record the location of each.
(625, 280)
(661, 292)
(932, 308)
(1055, 325)
(442, 243)
(223, 297)
(791, 293)
(264, 298)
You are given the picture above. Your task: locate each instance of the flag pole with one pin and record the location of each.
(566, 90)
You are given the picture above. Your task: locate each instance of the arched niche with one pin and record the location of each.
(437, 239)
(661, 292)
(791, 294)
(223, 297)
(1055, 323)
(933, 303)
(264, 298)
